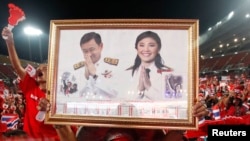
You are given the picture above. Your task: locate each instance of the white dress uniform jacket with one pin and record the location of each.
(101, 87)
(159, 84)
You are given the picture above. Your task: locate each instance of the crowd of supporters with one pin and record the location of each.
(12, 107)
(224, 97)
(227, 96)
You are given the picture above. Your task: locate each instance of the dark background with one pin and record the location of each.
(40, 12)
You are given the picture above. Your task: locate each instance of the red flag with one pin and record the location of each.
(16, 15)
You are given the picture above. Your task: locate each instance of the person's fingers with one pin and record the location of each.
(196, 105)
(200, 109)
(38, 108)
(48, 107)
(141, 86)
(201, 113)
(88, 59)
(43, 102)
(4, 32)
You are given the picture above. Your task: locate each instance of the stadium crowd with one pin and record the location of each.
(224, 96)
(229, 96)
(12, 106)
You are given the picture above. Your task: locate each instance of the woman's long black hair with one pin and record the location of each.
(158, 59)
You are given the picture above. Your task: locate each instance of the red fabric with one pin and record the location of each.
(121, 139)
(2, 87)
(195, 134)
(164, 70)
(14, 138)
(32, 94)
(16, 14)
(3, 127)
(1, 103)
(246, 119)
(74, 129)
(232, 111)
(231, 87)
(223, 111)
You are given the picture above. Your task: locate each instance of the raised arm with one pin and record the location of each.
(14, 59)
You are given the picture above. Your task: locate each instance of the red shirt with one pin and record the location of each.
(223, 110)
(32, 94)
(232, 111)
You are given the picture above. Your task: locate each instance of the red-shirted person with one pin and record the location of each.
(33, 90)
(237, 109)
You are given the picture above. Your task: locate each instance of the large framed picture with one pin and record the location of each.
(129, 73)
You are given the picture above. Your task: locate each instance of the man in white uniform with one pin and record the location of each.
(99, 71)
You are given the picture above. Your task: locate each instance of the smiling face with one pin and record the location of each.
(147, 49)
(92, 49)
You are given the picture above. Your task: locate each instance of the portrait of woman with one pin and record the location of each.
(151, 79)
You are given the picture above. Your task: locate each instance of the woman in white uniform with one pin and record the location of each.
(150, 77)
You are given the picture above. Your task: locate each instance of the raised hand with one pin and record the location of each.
(200, 109)
(43, 107)
(16, 15)
(144, 81)
(90, 68)
(7, 34)
(141, 86)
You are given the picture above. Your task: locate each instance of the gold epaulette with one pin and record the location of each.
(79, 65)
(111, 61)
(108, 60)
